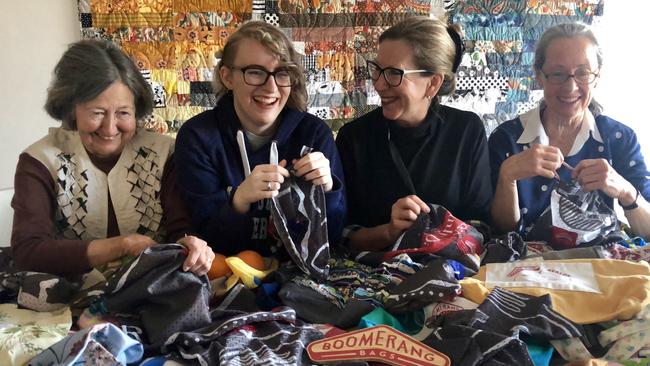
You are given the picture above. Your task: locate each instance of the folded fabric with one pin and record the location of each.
(506, 312)
(435, 282)
(468, 346)
(625, 290)
(44, 291)
(102, 344)
(239, 335)
(25, 333)
(541, 273)
(510, 248)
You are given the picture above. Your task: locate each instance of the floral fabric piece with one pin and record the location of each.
(25, 333)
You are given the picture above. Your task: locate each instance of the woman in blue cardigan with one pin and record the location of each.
(566, 137)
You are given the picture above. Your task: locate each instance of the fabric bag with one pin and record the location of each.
(574, 217)
(300, 219)
(441, 233)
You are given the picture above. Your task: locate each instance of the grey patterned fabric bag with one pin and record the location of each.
(574, 217)
(300, 218)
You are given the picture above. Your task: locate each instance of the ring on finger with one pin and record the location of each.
(268, 185)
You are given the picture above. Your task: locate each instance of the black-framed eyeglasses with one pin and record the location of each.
(257, 75)
(392, 75)
(581, 76)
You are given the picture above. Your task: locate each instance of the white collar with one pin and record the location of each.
(534, 130)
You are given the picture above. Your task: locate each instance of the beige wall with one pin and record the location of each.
(33, 35)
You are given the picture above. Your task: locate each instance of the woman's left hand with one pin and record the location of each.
(315, 167)
(593, 174)
(199, 256)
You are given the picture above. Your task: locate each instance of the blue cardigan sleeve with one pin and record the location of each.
(206, 184)
(628, 160)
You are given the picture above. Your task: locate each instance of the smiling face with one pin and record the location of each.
(107, 123)
(407, 103)
(568, 100)
(257, 107)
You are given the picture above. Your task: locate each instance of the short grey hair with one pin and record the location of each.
(568, 30)
(84, 71)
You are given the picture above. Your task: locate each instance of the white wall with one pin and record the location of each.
(33, 35)
(623, 87)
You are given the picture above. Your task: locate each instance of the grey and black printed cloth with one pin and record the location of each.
(508, 312)
(154, 294)
(468, 346)
(575, 217)
(354, 289)
(300, 219)
(239, 335)
(33, 290)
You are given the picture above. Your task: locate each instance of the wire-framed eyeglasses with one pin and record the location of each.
(392, 75)
(257, 75)
(581, 76)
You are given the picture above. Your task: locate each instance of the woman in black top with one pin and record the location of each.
(413, 151)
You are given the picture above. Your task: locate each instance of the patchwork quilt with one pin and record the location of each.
(176, 44)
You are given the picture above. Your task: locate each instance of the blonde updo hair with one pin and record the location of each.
(433, 47)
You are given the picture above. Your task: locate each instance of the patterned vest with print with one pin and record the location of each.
(82, 189)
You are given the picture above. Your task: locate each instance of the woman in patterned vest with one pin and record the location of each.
(98, 187)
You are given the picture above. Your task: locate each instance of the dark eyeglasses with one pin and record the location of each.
(256, 76)
(581, 76)
(392, 75)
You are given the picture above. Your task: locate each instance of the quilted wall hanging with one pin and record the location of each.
(174, 43)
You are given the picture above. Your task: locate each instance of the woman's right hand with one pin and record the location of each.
(404, 213)
(264, 182)
(539, 160)
(102, 251)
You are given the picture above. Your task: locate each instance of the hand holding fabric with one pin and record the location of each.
(102, 251)
(539, 160)
(593, 174)
(403, 214)
(315, 168)
(199, 256)
(264, 182)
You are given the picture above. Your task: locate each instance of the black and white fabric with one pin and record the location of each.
(435, 282)
(575, 217)
(240, 335)
(481, 83)
(510, 313)
(300, 219)
(309, 62)
(468, 346)
(507, 249)
(258, 9)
